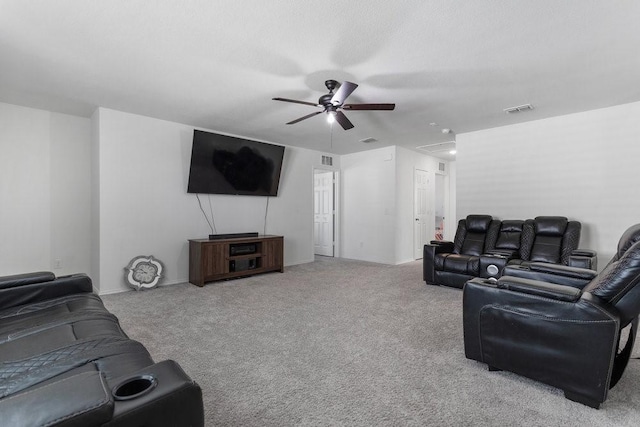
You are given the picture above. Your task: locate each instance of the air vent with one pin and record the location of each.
(518, 109)
(438, 147)
(368, 140)
(441, 166)
(327, 160)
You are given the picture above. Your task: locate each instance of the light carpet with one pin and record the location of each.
(342, 342)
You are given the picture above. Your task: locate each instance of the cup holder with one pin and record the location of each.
(492, 270)
(134, 387)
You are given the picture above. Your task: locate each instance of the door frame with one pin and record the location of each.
(336, 208)
(429, 220)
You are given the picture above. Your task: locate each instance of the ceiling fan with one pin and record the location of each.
(332, 103)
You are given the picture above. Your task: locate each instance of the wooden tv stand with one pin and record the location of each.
(211, 260)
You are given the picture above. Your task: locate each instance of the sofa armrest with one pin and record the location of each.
(552, 273)
(492, 264)
(25, 279)
(442, 245)
(541, 289)
(584, 258)
(176, 400)
(428, 260)
(79, 400)
(563, 270)
(21, 293)
(429, 253)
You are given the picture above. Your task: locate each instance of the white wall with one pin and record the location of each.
(145, 210)
(582, 166)
(25, 200)
(44, 191)
(368, 205)
(378, 203)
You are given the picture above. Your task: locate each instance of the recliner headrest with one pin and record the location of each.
(628, 239)
(478, 223)
(511, 225)
(550, 225)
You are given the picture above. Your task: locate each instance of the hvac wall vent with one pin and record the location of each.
(518, 109)
(368, 140)
(441, 166)
(327, 160)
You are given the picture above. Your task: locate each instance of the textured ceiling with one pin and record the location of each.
(217, 64)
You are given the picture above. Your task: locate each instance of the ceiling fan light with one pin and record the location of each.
(331, 116)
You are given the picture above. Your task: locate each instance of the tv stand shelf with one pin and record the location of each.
(211, 260)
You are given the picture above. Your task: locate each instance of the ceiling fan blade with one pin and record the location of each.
(345, 89)
(342, 119)
(369, 106)
(296, 101)
(304, 118)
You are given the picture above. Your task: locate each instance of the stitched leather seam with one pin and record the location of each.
(8, 398)
(541, 316)
(612, 356)
(71, 319)
(624, 290)
(97, 405)
(538, 297)
(31, 308)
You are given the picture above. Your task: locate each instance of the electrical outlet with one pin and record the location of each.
(57, 263)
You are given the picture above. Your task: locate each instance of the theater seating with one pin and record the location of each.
(563, 336)
(552, 239)
(64, 360)
(453, 263)
(549, 246)
(485, 247)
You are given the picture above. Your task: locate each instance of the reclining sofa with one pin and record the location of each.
(64, 360)
(484, 246)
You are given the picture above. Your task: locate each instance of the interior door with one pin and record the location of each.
(323, 215)
(421, 211)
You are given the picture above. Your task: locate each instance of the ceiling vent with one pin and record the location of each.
(438, 147)
(368, 140)
(518, 109)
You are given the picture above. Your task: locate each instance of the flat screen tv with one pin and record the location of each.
(222, 164)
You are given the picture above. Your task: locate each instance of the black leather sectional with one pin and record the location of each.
(484, 246)
(64, 360)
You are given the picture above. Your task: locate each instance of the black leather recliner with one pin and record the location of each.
(560, 335)
(549, 253)
(554, 240)
(64, 360)
(453, 263)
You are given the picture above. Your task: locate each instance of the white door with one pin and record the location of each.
(421, 212)
(323, 213)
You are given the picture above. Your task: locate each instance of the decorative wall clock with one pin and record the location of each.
(144, 272)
